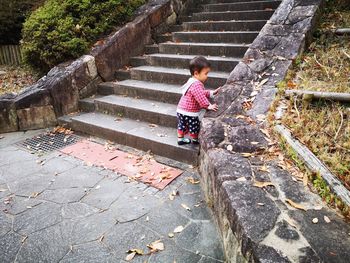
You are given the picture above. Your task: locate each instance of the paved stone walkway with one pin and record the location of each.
(54, 208)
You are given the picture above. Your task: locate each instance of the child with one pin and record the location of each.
(194, 98)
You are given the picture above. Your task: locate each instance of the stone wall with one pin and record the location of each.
(256, 222)
(58, 93)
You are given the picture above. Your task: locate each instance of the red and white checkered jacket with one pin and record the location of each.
(195, 99)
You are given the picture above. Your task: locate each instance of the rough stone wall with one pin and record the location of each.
(257, 223)
(58, 93)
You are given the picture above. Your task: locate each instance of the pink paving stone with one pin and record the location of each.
(140, 168)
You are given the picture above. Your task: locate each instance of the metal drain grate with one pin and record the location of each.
(48, 142)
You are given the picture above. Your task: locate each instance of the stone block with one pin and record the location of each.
(8, 116)
(212, 133)
(117, 49)
(36, 117)
(244, 139)
(250, 221)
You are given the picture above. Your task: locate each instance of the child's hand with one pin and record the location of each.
(213, 107)
(217, 90)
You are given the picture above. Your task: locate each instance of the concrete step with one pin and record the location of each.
(137, 134)
(241, 6)
(184, 18)
(151, 111)
(122, 74)
(173, 28)
(216, 36)
(143, 89)
(248, 25)
(211, 49)
(175, 76)
(138, 61)
(226, 64)
(150, 49)
(232, 15)
(163, 38)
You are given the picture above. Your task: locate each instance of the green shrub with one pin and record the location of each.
(12, 16)
(65, 29)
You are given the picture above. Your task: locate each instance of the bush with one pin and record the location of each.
(65, 29)
(12, 16)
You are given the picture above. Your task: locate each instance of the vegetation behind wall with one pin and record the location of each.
(65, 29)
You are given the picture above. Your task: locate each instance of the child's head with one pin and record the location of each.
(200, 67)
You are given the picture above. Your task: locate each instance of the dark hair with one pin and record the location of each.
(198, 63)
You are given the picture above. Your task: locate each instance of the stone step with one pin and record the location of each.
(143, 89)
(151, 111)
(137, 134)
(216, 36)
(138, 61)
(226, 64)
(150, 49)
(248, 25)
(232, 15)
(173, 28)
(122, 74)
(211, 49)
(184, 18)
(164, 38)
(241, 6)
(175, 76)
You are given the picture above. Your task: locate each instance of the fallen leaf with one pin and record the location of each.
(229, 147)
(156, 246)
(295, 205)
(318, 207)
(101, 238)
(192, 180)
(262, 184)
(3, 190)
(24, 239)
(241, 179)
(305, 179)
(261, 204)
(247, 155)
(264, 168)
(171, 235)
(326, 219)
(136, 250)
(186, 207)
(315, 220)
(130, 256)
(261, 117)
(178, 229)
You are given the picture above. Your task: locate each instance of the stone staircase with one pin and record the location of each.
(138, 109)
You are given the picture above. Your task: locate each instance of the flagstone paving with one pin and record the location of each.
(55, 208)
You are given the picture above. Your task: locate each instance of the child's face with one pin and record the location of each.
(202, 75)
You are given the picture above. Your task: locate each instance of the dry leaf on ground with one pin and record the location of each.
(179, 229)
(262, 184)
(295, 205)
(326, 219)
(130, 256)
(186, 207)
(192, 180)
(156, 246)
